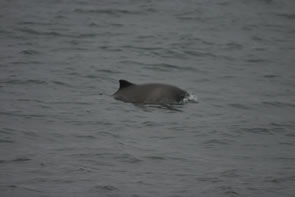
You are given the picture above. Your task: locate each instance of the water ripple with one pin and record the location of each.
(108, 11)
(105, 188)
(258, 130)
(23, 82)
(17, 160)
(287, 15)
(278, 104)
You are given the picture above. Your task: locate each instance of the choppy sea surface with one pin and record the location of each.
(62, 134)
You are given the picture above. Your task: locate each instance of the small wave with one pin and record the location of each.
(29, 52)
(239, 106)
(6, 141)
(229, 191)
(30, 133)
(124, 157)
(7, 131)
(155, 157)
(110, 11)
(210, 179)
(146, 48)
(280, 179)
(169, 53)
(33, 82)
(85, 35)
(110, 48)
(105, 133)
(270, 76)
(257, 130)
(128, 158)
(29, 100)
(258, 38)
(217, 141)
(233, 46)
(284, 158)
(167, 67)
(37, 32)
(93, 24)
(34, 23)
(61, 83)
(159, 66)
(162, 67)
(142, 37)
(255, 60)
(55, 33)
(282, 125)
(22, 114)
(108, 71)
(189, 18)
(23, 82)
(106, 188)
(23, 188)
(287, 16)
(200, 54)
(20, 159)
(29, 62)
(86, 136)
(152, 107)
(279, 104)
(230, 173)
(5, 32)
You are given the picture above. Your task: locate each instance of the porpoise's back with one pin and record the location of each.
(150, 93)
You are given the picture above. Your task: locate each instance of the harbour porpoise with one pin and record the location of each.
(151, 93)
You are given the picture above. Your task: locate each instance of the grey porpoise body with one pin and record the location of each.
(150, 93)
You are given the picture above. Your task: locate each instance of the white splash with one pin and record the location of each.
(190, 99)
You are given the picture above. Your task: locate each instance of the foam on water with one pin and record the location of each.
(190, 98)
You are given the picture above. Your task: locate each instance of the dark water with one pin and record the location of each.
(61, 134)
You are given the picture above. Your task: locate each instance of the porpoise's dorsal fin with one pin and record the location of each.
(125, 84)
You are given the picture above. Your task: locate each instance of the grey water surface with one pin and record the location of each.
(62, 134)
